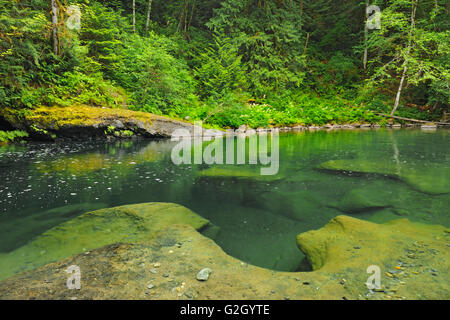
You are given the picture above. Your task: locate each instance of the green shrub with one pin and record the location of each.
(220, 69)
(9, 136)
(157, 82)
(78, 88)
(268, 37)
(102, 33)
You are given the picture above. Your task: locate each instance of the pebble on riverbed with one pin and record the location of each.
(203, 275)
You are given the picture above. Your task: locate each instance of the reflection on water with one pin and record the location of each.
(393, 174)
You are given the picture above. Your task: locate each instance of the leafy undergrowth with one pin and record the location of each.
(10, 136)
(301, 109)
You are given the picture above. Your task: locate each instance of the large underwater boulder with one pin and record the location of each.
(364, 199)
(237, 172)
(431, 180)
(17, 230)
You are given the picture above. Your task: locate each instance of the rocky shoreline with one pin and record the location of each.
(85, 122)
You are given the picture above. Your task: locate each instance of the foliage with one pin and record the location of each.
(158, 82)
(9, 136)
(269, 39)
(229, 62)
(220, 70)
(287, 110)
(102, 33)
(24, 52)
(422, 49)
(78, 88)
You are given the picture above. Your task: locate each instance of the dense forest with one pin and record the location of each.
(229, 62)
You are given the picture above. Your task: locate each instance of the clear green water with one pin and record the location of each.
(43, 185)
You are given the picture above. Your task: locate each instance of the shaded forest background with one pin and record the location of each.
(229, 62)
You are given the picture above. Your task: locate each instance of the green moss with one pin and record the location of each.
(55, 118)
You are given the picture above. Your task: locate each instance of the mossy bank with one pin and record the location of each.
(86, 122)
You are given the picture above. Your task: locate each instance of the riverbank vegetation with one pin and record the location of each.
(10, 136)
(228, 62)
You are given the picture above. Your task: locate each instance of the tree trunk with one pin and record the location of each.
(306, 44)
(192, 15)
(405, 68)
(366, 35)
(183, 18)
(55, 27)
(399, 91)
(301, 14)
(134, 16)
(180, 23)
(148, 15)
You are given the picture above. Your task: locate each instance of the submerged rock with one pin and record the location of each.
(126, 224)
(88, 122)
(236, 172)
(431, 180)
(360, 166)
(260, 229)
(329, 248)
(356, 202)
(17, 231)
(296, 205)
(365, 199)
(203, 274)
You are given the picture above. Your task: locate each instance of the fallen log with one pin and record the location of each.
(413, 120)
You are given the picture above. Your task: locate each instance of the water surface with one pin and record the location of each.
(43, 185)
